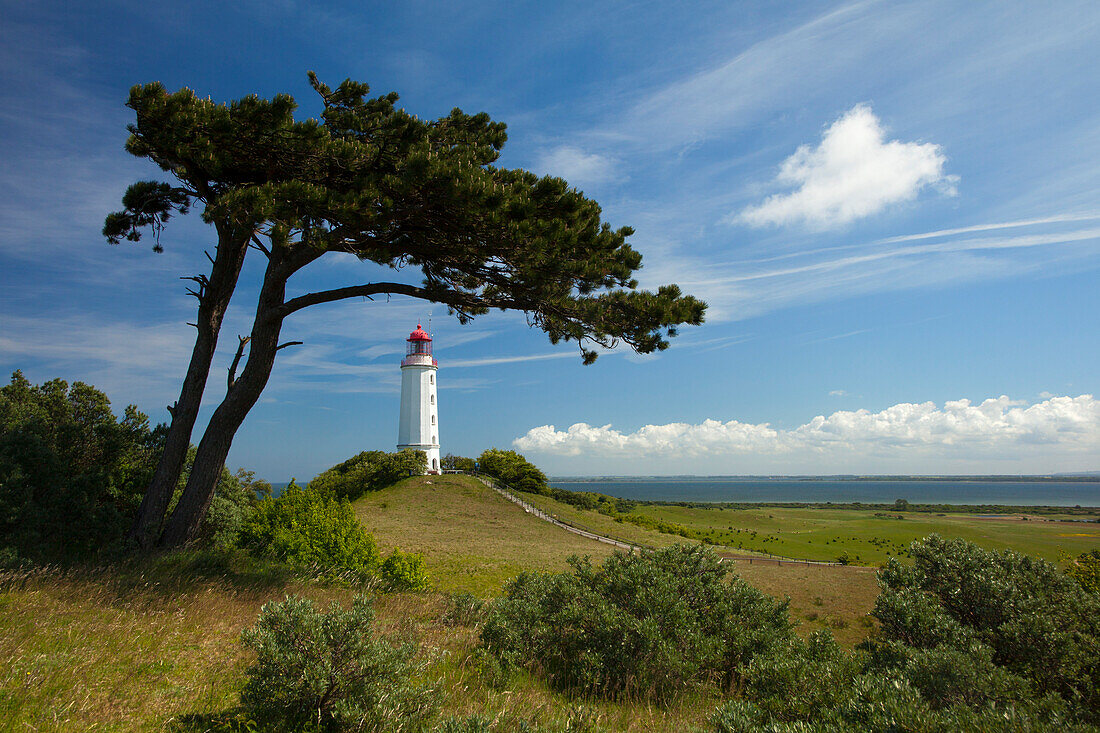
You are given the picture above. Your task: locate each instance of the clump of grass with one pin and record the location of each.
(463, 609)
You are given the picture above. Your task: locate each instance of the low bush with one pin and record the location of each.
(513, 469)
(644, 626)
(311, 529)
(968, 640)
(369, 471)
(463, 609)
(1085, 569)
(405, 571)
(318, 671)
(1020, 613)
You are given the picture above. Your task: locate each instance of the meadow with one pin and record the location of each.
(156, 645)
(864, 536)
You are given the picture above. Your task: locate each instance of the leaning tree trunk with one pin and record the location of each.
(242, 395)
(214, 296)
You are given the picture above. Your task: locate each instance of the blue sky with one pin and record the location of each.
(893, 210)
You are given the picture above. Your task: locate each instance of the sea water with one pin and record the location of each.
(1013, 493)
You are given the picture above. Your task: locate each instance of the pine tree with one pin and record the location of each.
(371, 180)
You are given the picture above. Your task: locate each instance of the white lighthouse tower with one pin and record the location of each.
(419, 427)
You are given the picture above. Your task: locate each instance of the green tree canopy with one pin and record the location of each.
(71, 473)
(417, 196)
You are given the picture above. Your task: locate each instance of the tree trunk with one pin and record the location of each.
(242, 395)
(215, 296)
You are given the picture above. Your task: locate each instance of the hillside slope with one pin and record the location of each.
(473, 538)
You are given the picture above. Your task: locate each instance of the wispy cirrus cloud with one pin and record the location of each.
(853, 173)
(744, 288)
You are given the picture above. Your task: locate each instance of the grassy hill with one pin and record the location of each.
(145, 646)
(473, 538)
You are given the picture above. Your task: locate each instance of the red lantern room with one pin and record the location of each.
(420, 348)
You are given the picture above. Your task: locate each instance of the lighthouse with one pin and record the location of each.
(419, 426)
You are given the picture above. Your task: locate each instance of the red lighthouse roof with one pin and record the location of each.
(419, 335)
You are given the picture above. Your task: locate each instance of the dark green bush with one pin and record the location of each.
(514, 470)
(71, 474)
(308, 528)
(1019, 613)
(327, 672)
(369, 471)
(451, 462)
(647, 625)
(235, 500)
(968, 640)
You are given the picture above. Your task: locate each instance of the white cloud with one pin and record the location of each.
(576, 166)
(854, 173)
(838, 393)
(994, 426)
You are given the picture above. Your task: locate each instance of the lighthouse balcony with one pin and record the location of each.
(419, 360)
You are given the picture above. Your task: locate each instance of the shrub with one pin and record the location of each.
(235, 500)
(967, 640)
(816, 686)
(405, 571)
(72, 475)
(1036, 623)
(1086, 570)
(463, 609)
(451, 462)
(307, 528)
(645, 625)
(514, 470)
(327, 672)
(368, 471)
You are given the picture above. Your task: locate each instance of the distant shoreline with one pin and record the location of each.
(1089, 477)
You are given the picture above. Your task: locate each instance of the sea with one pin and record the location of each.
(838, 491)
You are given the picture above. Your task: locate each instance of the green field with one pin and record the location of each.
(867, 536)
(144, 647)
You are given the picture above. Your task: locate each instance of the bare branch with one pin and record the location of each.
(237, 359)
(257, 244)
(289, 343)
(454, 298)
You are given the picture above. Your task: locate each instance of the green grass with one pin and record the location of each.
(140, 647)
(867, 536)
(825, 534)
(473, 539)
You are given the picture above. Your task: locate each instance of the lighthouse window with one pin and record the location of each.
(433, 419)
(431, 379)
(433, 399)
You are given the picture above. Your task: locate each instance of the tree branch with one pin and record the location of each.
(260, 246)
(453, 298)
(289, 343)
(237, 360)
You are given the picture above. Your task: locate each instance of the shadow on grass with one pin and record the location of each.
(154, 581)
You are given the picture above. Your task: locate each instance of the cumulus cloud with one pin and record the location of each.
(576, 166)
(994, 425)
(852, 174)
